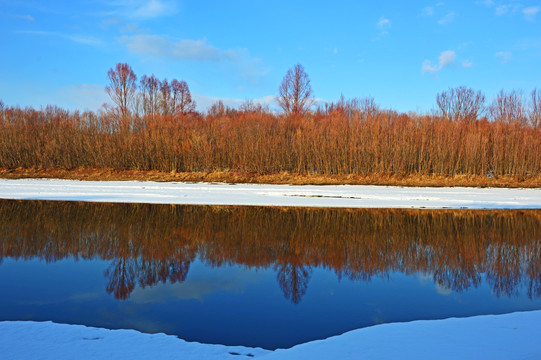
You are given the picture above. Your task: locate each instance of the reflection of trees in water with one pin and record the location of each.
(293, 280)
(121, 276)
(149, 244)
(533, 272)
(124, 273)
(457, 279)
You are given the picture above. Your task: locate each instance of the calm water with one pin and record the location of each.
(269, 277)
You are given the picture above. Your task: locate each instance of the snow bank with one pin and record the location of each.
(510, 336)
(47, 340)
(270, 195)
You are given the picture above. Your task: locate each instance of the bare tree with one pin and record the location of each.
(122, 87)
(218, 109)
(461, 103)
(165, 97)
(535, 109)
(149, 88)
(355, 109)
(508, 107)
(295, 92)
(182, 98)
(2, 111)
(249, 106)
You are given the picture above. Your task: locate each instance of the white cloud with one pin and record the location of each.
(154, 8)
(429, 68)
(428, 11)
(467, 64)
(505, 56)
(487, 3)
(383, 25)
(502, 9)
(512, 7)
(143, 9)
(431, 10)
(445, 59)
(24, 17)
(81, 39)
(530, 12)
(196, 50)
(162, 46)
(132, 28)
(448, 18)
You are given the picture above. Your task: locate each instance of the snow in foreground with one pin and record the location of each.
(509, 336)
(353, 196)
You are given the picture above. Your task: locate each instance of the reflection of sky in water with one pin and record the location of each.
(235, 304)
(199, 286)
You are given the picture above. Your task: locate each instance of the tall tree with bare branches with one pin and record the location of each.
(461, 103)
(295, 92)
(181, 98)
(122, 87)
(149, 88)
(535, 109)
(508, 107)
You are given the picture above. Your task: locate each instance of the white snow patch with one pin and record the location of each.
(47, 340)
(509, 336)
(351, 196)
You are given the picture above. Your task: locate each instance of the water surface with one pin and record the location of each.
(262, 276)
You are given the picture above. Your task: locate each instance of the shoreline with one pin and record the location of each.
(505, 336)
(284, 178)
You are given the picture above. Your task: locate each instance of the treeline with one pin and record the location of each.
(148, 244)
(153, 125)
(343, 138)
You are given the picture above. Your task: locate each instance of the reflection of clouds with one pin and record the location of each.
(443, 290)
(230, 280)
(425, 278)
(131, 317)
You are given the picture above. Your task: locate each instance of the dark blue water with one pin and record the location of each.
(107, 266)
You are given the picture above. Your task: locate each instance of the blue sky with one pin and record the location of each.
(400, 52)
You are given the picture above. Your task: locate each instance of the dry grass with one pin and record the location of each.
(280, 178)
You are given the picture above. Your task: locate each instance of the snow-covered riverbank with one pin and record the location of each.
(509, 336)
(270, 195)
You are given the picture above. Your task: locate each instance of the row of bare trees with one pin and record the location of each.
(465, 104)
(345, 138)
(295, 97)
(153, 126)
(150, 98)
